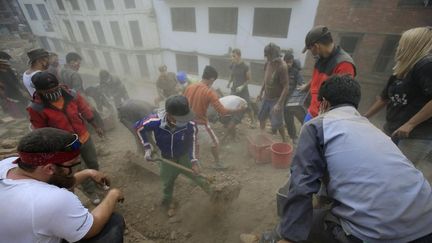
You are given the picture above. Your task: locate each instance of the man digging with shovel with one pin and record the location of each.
(175, 135)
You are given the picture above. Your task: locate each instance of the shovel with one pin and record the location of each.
(185, 169)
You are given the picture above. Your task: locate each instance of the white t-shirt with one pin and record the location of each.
(34, 211)
(28, 83)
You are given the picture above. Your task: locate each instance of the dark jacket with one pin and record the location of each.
(172, 143)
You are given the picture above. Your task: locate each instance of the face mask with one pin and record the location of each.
(53, 96)
(180, 124)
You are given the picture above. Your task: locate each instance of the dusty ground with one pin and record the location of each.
(197, 219)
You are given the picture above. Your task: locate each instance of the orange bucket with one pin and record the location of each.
(259, 148)
(281, 155)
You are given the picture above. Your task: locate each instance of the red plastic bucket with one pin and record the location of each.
(259, 148)
(281, 155)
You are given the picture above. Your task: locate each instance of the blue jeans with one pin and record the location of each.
(112, 231)
(276, 119)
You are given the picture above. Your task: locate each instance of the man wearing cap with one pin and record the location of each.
(13, 99)
(39, 61)
(176, 137)
(274, 90)
(200, 96)
(63, 108)
(331, 60)
(69, 73)
(37, 204)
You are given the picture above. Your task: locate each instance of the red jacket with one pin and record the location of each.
(339, 62)
(70, 118)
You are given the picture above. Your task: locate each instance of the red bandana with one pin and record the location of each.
(38, 159)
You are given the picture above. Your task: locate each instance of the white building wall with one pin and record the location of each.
(205, 44)
(143, 13)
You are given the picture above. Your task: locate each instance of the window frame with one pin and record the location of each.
(213, 14)
(175, 26)
(389, 57)
(190, 66)
(30, 11)
(265, 26)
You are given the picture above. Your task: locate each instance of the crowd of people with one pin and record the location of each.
(341, 158)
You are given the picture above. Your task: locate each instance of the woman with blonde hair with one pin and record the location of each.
(408, 95)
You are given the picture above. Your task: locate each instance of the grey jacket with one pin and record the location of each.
(380, 196)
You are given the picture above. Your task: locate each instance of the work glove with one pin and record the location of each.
(148, 156)
(239, 88)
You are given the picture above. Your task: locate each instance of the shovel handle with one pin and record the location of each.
(181, 167)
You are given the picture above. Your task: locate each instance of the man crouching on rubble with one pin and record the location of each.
(176, 137)
(377, 194)
(36, 204)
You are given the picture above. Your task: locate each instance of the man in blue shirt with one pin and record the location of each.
(377, 194)
(175, 136)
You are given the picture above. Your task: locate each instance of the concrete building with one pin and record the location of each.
(120, 36)
(10, 17)
(370, 30)
(197, 33)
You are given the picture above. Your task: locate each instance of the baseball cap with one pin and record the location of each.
(314, 35)
(44, 80)
(178, 107)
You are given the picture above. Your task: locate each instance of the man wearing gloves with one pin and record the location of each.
(175, 135)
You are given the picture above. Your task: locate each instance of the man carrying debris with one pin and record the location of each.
(377, 194)
(39, 61)
(240, 77)
(175, 135)
(37, 204)
(111, 86)
(200, 96)
(63, 108)
(166, 84)
(274, 90)
(131, 112)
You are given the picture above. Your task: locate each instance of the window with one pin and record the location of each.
(349, 42)
(125, 63)
(115, 28)
(74, 4)
(91, 5)
(43, 11)
(31, 11)
(109, 4)
(222, 65)
(415, 3)
(108, 61)
(271, 22)
(187, 63)
(257, 73)
(136, 33)
(129, 4)
(142, 65)
(93, 57)
(183, 19)
(69, 29)
(223, 20)
(44, 43)
(60, 5)
(57, 45)
(99, 32)
(83, 30)
(384, 61)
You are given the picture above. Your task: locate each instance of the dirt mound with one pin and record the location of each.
(224, 188)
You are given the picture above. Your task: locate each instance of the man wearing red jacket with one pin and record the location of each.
(60, 107)
(331, 59)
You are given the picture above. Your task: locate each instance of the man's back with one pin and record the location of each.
(71, 78)
(200, 96)
(38, 212)
(379, 194)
